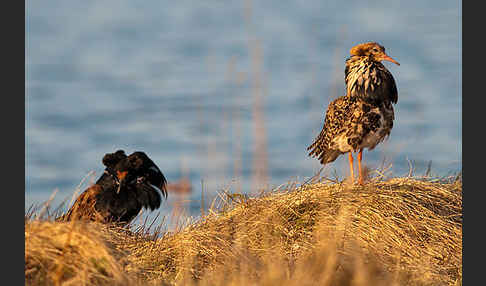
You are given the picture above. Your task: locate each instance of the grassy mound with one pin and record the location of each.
(402, 231)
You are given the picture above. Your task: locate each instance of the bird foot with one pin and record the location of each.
(352, 181)
(349, 181)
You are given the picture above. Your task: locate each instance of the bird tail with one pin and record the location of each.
(323, 154)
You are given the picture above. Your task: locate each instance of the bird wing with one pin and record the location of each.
(336, 114)
(156, 178)
(147, 196)
(84, 206)
(149, 171)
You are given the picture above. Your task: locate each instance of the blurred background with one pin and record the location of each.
(227, 95)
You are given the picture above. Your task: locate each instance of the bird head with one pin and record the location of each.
(124, 172)
(111, 159)
(372, 50)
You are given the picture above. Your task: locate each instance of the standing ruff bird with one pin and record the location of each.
(364, 116)
(128, 184)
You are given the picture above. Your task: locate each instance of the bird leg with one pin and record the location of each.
(360, 156)
(351, 168)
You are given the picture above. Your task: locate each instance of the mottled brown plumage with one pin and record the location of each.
(128, 184)
(364, 116)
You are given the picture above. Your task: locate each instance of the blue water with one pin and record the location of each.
(177, 80)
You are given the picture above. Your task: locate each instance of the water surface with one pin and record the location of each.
(179, 81)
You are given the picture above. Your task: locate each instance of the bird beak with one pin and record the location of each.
(121, 178)
(387, 58)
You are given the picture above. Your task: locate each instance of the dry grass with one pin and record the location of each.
(402, 231)
(76, 253)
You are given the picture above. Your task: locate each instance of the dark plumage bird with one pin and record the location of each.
(128, 184)
(364, 116)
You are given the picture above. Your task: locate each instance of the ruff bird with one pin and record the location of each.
(128, 184)
(364, 116)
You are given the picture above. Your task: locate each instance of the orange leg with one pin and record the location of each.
(351, 168)
(360, 157)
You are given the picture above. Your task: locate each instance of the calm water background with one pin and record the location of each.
(182, 81)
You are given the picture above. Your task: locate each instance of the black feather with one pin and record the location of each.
(102, 203)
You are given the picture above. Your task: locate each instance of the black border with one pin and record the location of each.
(13, 136)
(473, 113)
(13, 118)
